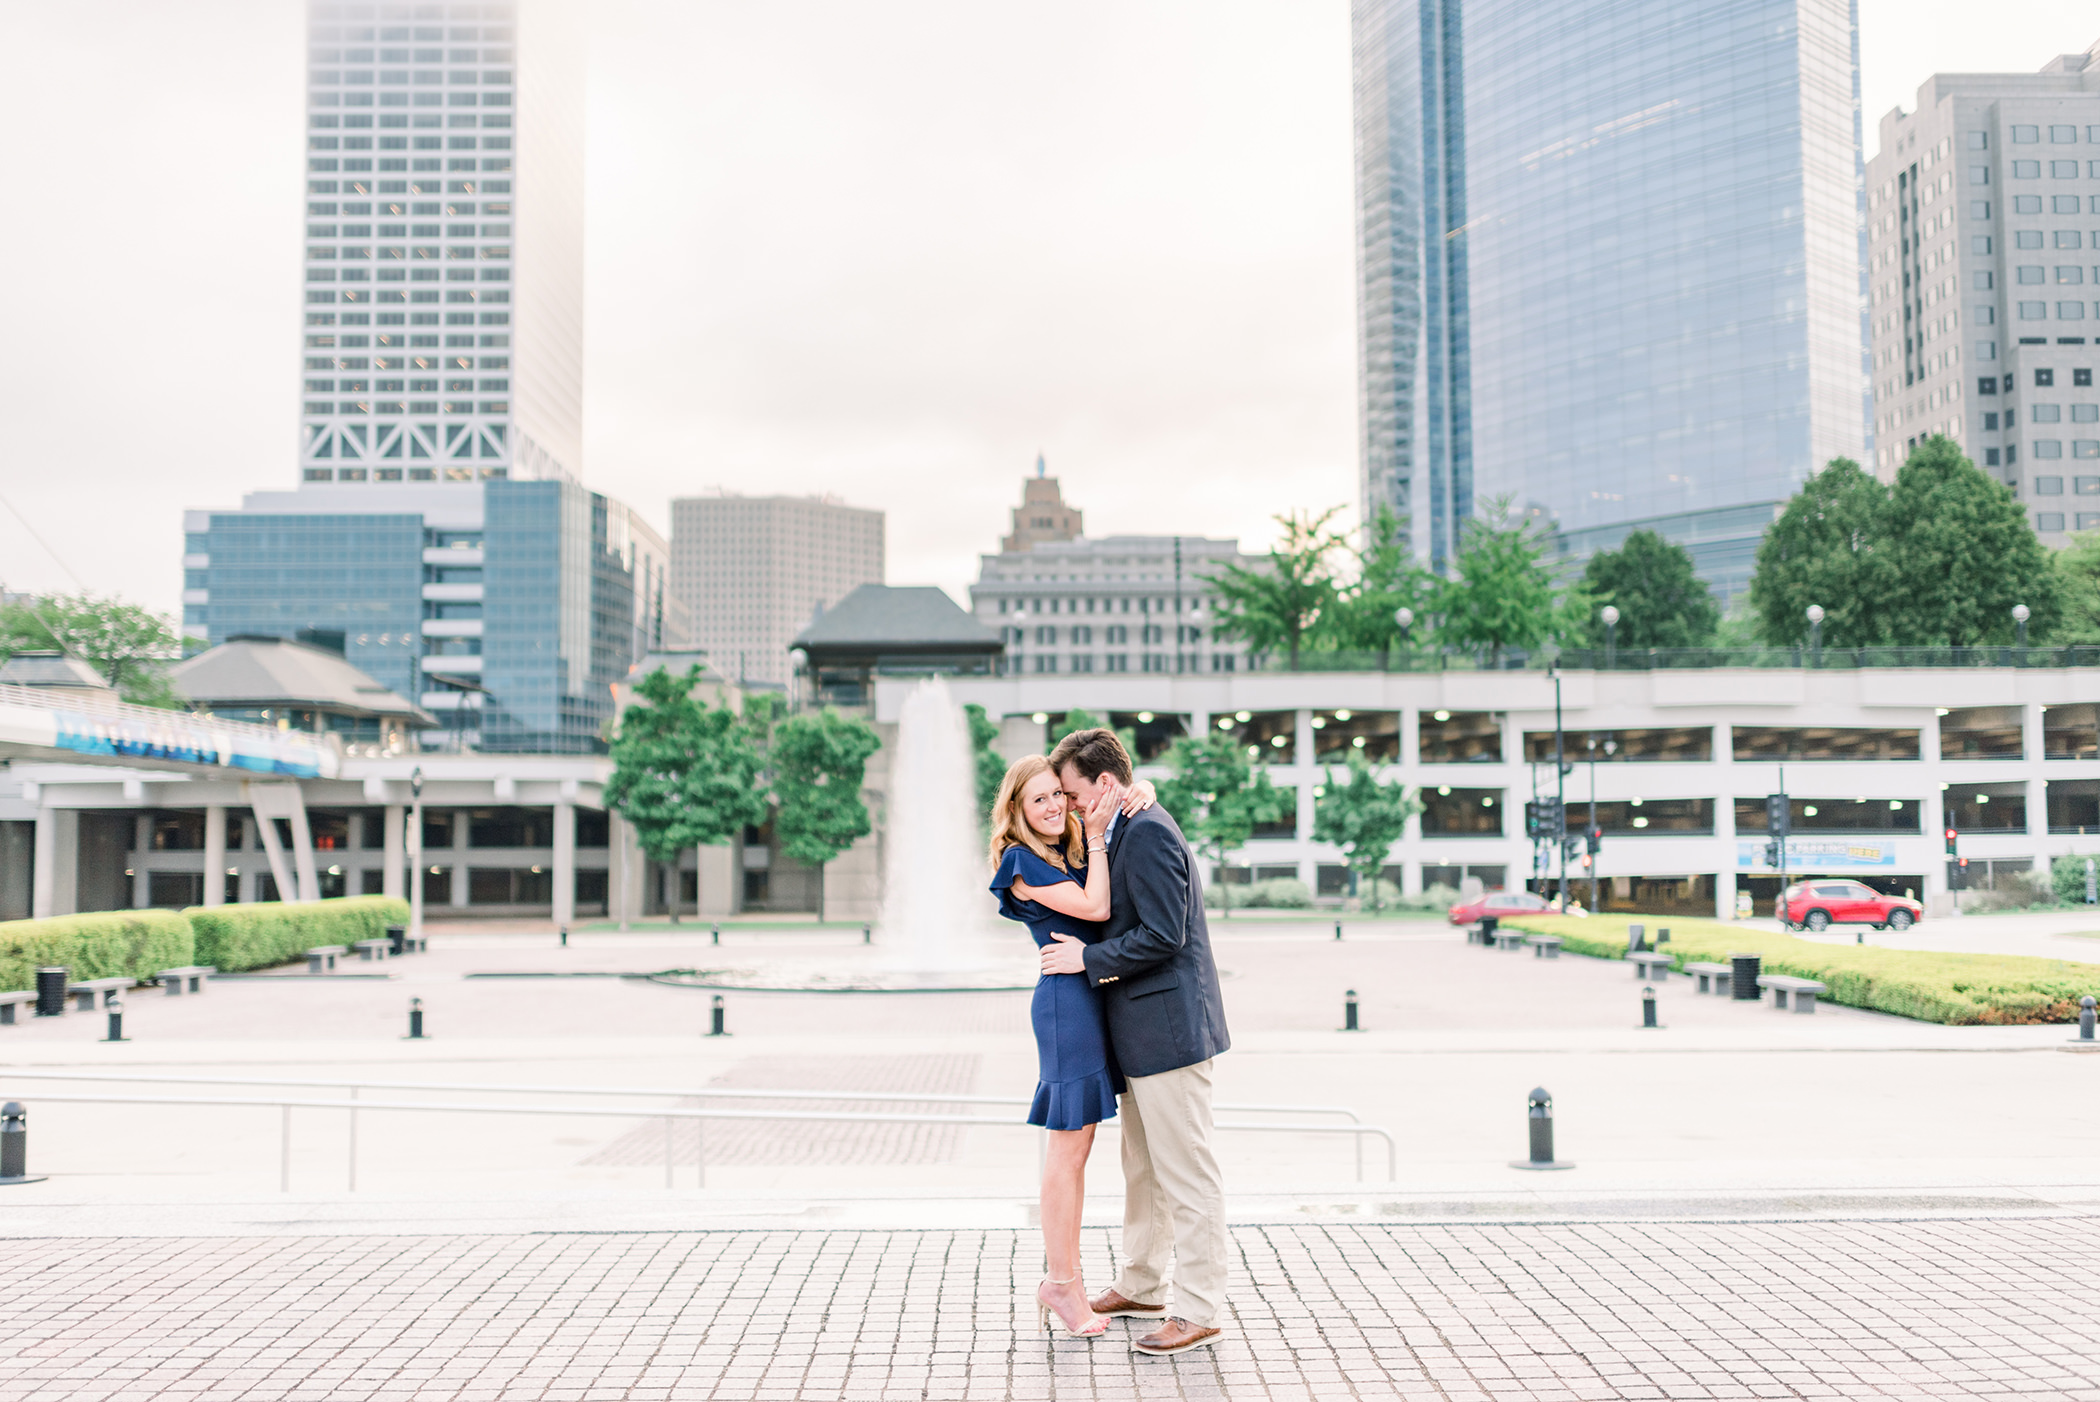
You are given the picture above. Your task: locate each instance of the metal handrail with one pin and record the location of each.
(669, 1116)
(708, 1092)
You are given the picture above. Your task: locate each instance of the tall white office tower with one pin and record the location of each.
(1609, 265)
(1983, 208)
(444, 243)
(753, 571)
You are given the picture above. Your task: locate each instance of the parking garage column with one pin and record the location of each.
(2031, 752)
(460, 823)
(394, 843)
(564, 862)
(215, 854)
(1305, 776)
(141, 846)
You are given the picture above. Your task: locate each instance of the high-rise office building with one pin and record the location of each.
(753, 571)
(444, 242)
(1983, 209)
(1608, 258)
(438, 537)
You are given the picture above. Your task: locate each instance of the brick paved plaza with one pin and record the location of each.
(1848, 1309)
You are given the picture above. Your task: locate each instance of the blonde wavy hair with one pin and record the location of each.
(1010, 827)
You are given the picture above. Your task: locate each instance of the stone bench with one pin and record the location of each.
(84, 993)
(1650, 966)
(368, 950)
(189, 978)
(1803, 989)
(1509, 939)
(1545, 946)
(321, 958)
(1713, 978)
(25, 998)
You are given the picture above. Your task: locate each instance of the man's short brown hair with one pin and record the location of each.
(1093, 753)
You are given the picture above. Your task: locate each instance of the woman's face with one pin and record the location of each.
(1043, 805)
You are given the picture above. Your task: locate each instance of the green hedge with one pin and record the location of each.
(233, 937)
(99, 945)
(1925, 984)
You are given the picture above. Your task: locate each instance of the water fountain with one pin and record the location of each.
(939, 928)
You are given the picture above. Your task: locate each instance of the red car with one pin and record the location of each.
(1817, 905)
(1501, 905)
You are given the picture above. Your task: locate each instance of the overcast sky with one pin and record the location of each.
(885, 251)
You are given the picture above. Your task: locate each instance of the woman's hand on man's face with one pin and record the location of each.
(1101, 810)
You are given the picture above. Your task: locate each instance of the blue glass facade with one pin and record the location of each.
(527, 596)
(1630, 231)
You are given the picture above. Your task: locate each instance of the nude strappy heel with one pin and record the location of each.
(1044, 1310)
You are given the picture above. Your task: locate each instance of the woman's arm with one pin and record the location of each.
(1065, 897)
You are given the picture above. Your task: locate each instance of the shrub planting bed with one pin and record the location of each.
(236, 937)
(1925, 984)
(103, 944)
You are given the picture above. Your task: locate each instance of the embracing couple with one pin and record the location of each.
(1127, 1012)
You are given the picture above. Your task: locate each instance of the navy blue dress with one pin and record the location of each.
(1078, 1078)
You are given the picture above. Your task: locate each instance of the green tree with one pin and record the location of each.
(129, 646)
(1284, 606)
(819, 762)
(1660, 599)
(1503, 595)
(1388, 579)
(1828, 547)
(685, 774)
(990, 764)
(2078, 590)
(1219, 797)
(1363, 817)
(1962, 554)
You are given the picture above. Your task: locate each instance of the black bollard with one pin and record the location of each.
(564, 937)
(717, 1019)
(116, 1022)
(715, 934)
(1743, 972)
(415, 1019)
(397, 941)
(1540, 1119)
(867, 934)
(1349, 1012)
(51, 992)
(1648, 1008)
(1337, 929)
(2085, 1018)
(14, 1144)
(1859, 936)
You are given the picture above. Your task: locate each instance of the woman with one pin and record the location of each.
(1052, 874)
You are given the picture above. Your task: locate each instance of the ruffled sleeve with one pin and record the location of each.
(1020, 864)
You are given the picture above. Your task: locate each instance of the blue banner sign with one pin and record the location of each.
(1819, 854)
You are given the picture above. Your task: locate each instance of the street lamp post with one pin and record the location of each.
(1404, 618)
(415, 856)
(2021, 613)
(1610, 615)
(1815, 634)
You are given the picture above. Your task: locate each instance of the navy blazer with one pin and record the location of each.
(1152, 964)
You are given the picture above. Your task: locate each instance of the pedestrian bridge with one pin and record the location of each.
(72, 728)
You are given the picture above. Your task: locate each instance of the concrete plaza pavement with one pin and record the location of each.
(1764, 1204)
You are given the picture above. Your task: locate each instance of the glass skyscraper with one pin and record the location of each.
(1609, 265)
(437, 534)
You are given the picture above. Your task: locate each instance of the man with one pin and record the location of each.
(1166, 1021)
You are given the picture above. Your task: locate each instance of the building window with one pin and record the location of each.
(1045, 662)
(1117, 634)
(1155, 662)
(1223, 662)
(2044, 379)
(2027, 238)
(1987, 385)
(1153, 634)
(2082, 378)
(2087, 486)
(1083, 662)
(320, 474)
(2027, 204)
(1046, 637)
(1976, 140)
(2069, 275)
(1979, 175)
(2048, 486)
(2026, 136)
(2062, 136)
(2070, 311)
(2065, 204)
(2089, 520)
(2046, 521)
(1117, 662)
(2028, 275)
(2064, 170)
(2048, 413)
(1990, 457)
(2048, 447)
(1082, 636)
(2033, 311)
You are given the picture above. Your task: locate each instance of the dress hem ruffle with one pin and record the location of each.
(1075, 1104)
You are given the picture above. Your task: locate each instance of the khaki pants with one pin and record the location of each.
(1173, 1196)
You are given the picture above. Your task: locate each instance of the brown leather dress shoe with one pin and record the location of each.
(1109, 1305)
(1177, 1336)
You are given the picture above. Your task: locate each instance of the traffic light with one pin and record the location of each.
(1595, 838)
(1571, 844)
(1952, 843)
(1772, 855)
(1534, 819)
(1779, 815)
(1544, 819)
